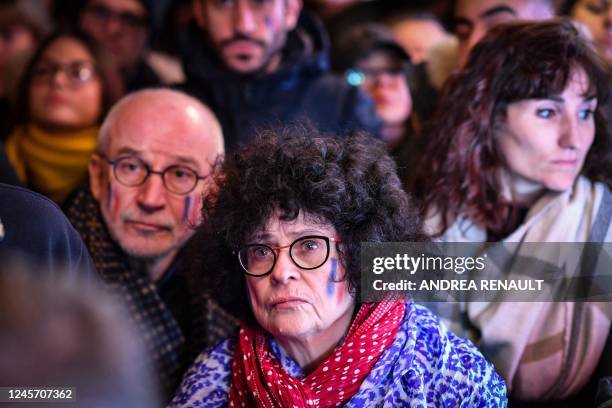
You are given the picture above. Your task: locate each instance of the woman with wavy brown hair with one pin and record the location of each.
(521, 153)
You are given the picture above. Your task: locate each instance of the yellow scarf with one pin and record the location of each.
(53, 164)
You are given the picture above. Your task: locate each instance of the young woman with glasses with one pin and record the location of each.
(63, 95)
(282, 233)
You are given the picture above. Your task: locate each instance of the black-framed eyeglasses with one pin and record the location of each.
(126, 19)
(77, 72)
(132, 171)
(308, 252)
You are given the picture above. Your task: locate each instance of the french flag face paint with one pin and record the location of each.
(186, 209)
(269, 23)
(331, 282)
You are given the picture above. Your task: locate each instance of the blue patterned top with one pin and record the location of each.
(425, 366)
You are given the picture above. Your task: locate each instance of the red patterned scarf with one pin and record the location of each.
(259, 380)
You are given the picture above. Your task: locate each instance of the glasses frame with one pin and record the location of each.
(276, 251)
(358, 76)
(150, 171)
(65, 68)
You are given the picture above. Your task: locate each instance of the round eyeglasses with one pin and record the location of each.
(77, 72)
(132, 171)
(309, 252)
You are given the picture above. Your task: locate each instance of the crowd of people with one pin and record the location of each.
(186, 188)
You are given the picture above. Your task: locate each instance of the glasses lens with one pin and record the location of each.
(256, 259)
(80, 71)
(375, 73)
(180, 179)
(44, 71)
(310, 252)
(130, 171)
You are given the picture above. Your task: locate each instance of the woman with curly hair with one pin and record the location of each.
(524, 157)
(282, 233)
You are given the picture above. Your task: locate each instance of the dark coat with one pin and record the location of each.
(175, 317)
(34, 229)
(301, 89)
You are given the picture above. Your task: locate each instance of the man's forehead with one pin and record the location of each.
(160, 154)
(163, 141)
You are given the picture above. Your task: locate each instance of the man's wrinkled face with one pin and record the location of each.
(247, 35)
(149, 221)
(120, 26)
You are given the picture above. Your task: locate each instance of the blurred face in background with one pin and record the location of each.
(385, 82)
(545, 141)
(120, 26)
(247, 35)
(65, 90)
(474, 18)
(15, 39)
(418, 36)
(596, 15)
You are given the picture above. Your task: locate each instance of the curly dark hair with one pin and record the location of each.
(351, 183)
(459, 166)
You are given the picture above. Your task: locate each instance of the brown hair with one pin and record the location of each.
(459, 163)
(109, 77)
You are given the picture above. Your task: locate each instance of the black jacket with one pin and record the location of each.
(34, 229)
(301, 89)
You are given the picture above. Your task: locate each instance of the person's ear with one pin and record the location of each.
(199, 13)
(97, 176)
(292, 15)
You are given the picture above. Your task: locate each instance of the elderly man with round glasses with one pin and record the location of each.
(155, 151)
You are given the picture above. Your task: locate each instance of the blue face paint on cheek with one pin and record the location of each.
(269, 23)
(331, 283)
(186, 209)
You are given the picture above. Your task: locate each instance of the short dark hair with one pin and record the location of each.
(460, 161)
(351, 183)
(565, 7)
(109, 78)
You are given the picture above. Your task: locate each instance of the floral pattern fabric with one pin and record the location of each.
(425, 366)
